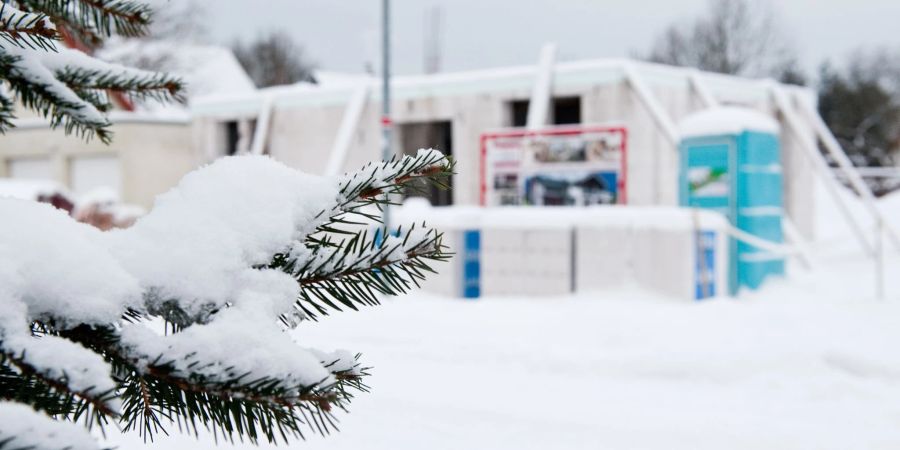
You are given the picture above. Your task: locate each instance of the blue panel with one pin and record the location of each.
(758, 148)
(471, 272)
(760, 200)
(705, 269)
(753, 273)
(759, 188)
(720, 204)
(611, 179)
(767, 227)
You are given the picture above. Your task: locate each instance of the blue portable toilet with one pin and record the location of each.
(731, 163)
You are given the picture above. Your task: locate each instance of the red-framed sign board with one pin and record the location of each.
(560, 165)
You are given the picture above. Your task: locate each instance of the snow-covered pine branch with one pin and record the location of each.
(358, 270)
(70, 87)
(94, 20)
(375, 183)
(67, 86)
(340, 264)
(200, 262)
(22, 28)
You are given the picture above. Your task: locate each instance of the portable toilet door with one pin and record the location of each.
(730, 163)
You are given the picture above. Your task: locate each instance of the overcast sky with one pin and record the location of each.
(343, 35)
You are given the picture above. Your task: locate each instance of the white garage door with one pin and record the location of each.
(90, 172)
(30, 168)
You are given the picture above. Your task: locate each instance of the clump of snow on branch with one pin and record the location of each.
(60, 268)
(24, 428)
(232, 346)
(54, 358)
(200, 243)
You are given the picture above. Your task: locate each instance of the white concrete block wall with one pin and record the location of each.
(665, 261)
(659, 260)
(600, 261)
(526, 262)
(555, 251)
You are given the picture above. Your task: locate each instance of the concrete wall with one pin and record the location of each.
(151, 157)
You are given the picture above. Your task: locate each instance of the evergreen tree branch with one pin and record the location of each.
(97, 17)
(376, 185)
(155, 394)
(18, 387)
(37, 88)
(128, 18)
(6, 109)
(140, 85)
(97, 99)
(357, 271)
(78, 36)
(254, 409)
(67, 86)
(23, 28)
(94, 406)
(81, 71)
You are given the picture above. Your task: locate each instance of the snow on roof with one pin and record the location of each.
(329, 78)
(25, 189)
(726, 120)
(518, 79)
(206, 69)
(212, 69)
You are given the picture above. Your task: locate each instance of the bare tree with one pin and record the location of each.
(179, 20)
(175, 23)
(738, 37)
(274, 59)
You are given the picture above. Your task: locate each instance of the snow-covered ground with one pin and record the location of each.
(812, 361)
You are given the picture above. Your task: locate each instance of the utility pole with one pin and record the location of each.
(386, 123)
(431, 40)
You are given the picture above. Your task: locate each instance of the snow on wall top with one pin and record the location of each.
(25, 189)
(726, 120)
(557, 217)
(566, 74)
